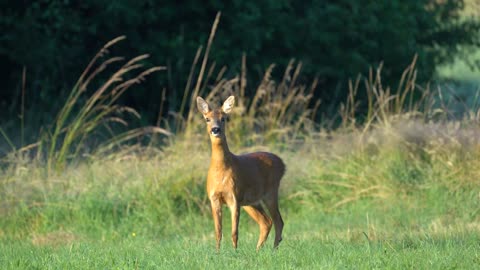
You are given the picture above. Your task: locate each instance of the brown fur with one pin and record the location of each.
(246, 181)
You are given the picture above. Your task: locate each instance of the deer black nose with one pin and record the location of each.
(216, 130)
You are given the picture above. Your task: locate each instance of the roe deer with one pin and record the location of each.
(245, 180)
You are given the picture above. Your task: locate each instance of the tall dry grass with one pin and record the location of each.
(86, 111)
(392, 146)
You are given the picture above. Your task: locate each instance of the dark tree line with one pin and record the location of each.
(335, 40)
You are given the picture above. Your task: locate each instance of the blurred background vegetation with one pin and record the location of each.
(377, 118)
(53, 40)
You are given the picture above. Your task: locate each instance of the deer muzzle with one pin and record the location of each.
(215, 131)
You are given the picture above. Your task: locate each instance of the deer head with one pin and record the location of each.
(215, 118)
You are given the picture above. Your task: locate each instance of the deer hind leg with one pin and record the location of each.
(272, 205)
(217, 219)
(264, 222)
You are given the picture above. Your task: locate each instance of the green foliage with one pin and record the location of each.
(335, 40)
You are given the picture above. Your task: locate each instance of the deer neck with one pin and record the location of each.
(221, 155)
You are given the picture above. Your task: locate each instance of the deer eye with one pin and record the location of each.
(207, 119)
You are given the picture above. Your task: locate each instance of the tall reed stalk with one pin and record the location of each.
(77, 120)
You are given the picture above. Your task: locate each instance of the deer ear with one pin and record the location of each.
(202, 105)
(228, 104)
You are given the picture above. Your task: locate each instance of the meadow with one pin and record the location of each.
(392, 182)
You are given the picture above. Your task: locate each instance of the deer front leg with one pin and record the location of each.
(235, 211)
(217, 219)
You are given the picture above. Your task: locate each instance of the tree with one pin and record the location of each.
(335, 40)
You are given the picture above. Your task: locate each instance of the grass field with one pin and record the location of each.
(108, 219)
(399, 189)
(411, 252)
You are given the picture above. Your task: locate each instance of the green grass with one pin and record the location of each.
(393, 188)
(420, 231)
(409, 252)
(139, 213)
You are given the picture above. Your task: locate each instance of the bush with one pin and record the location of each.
(335, 40)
